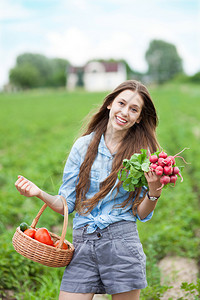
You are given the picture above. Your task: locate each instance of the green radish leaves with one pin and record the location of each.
(132, 173)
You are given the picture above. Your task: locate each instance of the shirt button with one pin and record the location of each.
(99, 234)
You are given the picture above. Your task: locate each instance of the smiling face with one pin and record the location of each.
(125, 111)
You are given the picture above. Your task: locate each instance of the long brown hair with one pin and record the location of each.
(139, 136)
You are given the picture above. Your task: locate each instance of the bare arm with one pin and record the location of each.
(29, 189)
(147, 206)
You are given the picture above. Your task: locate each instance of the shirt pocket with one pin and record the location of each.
(94, 180)
(94, 175)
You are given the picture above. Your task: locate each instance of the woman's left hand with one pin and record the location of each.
(153, 183)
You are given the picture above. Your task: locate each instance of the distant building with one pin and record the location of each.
(74, 77)
(97, 76)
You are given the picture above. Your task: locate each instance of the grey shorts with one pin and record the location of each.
(108, 261)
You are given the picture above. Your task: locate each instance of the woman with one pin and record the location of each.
(108, 254)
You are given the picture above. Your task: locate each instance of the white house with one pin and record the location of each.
(97, 76)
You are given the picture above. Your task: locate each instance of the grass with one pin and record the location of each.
(38, 129)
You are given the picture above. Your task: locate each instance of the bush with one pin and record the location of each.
(195, 78)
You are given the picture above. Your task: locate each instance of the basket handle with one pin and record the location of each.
(65, 223)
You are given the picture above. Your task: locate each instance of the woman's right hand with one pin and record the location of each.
(27, 188)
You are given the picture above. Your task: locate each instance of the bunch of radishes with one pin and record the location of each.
(165, 166)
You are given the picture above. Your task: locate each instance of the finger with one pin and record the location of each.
(147, 176)
(16, 183)
(153, 173)
(19, 190)
(17, 186)
(22, 183)
(20, 178)
(149, 173)
(24, 187)
(23, 190)
(28, 188)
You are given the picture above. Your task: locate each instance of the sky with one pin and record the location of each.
(80, 30)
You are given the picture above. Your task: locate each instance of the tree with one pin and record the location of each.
(25, 76)
(36, 70)
(38, 61)
(163, 61)
(58, 72)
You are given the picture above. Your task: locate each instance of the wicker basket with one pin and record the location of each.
(42, 253)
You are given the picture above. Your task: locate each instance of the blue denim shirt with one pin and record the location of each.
(104, 213)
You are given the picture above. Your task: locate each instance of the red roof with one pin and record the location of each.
(109, 67)
(75, 70)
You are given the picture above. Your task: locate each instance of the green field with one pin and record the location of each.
(38, 129)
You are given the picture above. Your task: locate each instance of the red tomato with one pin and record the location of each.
(42, 235)
(64, 246)
(30, 232)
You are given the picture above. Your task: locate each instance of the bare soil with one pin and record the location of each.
(174, 271)
(100, 297)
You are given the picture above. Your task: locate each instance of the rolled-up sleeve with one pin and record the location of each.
(145, 219)
(70, 178)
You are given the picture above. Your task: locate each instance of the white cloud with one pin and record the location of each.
(78, 47)
(83, 5)
(12, 10)
(122, 44)
(73, 45)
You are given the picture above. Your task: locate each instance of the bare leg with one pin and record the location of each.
(75, 296)
(132, 295)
